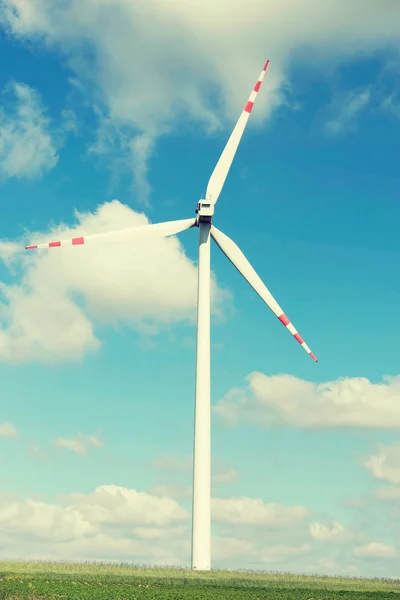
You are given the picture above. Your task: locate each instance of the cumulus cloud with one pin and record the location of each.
(280, 400)
(376, 550)
(386, 463)
(79, 444)
(175, 490)
(347, 108)
(253, 511)
(27, 145)
(115, 505)
(335, 533)
(112, 523)
(8, 430)
(118, 523)
(150, 74)
(115, 523)
(148, 284)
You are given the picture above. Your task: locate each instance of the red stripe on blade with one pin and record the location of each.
(266, 65)
(298, 338)
(284, 320)
(77, 241)
(54, 244)
(248, 107)
(313, 357)
(30, 247)
(257, 86)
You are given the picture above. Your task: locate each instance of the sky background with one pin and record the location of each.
(113, 114)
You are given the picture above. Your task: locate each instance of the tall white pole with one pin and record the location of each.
(201, 516)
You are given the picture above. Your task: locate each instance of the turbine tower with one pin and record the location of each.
(201, 513)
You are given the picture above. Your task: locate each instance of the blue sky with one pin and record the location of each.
(97, 359)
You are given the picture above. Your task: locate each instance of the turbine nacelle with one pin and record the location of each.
(204, 211)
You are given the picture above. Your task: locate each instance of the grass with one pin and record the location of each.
(87, 581)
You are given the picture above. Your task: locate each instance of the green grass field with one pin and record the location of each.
(40, 581)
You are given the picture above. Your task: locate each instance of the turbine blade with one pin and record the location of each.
(223, 165)
(164, 229)
(238, 259)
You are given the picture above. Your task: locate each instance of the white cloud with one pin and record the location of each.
(150, 74)
(115, 505)
(335, 533)
(347, 108)
(112, 523)
(253, 511)
(226, 548)
(274, 554)
(115, 523)
(127, 150)
(141, 149)
(225, 475)
(286, 400)
(79, 444)
(175, 491)
(386, 464)
(27, 147)
(389, 493)
(330, 566)
(8, 430)
(8, 250)
(376, 550)
(148, 284)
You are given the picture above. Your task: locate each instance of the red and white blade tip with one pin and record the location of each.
(74, 242)
(250, 103)
(286, 322)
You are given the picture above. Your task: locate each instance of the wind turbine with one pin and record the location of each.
(201, 514)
